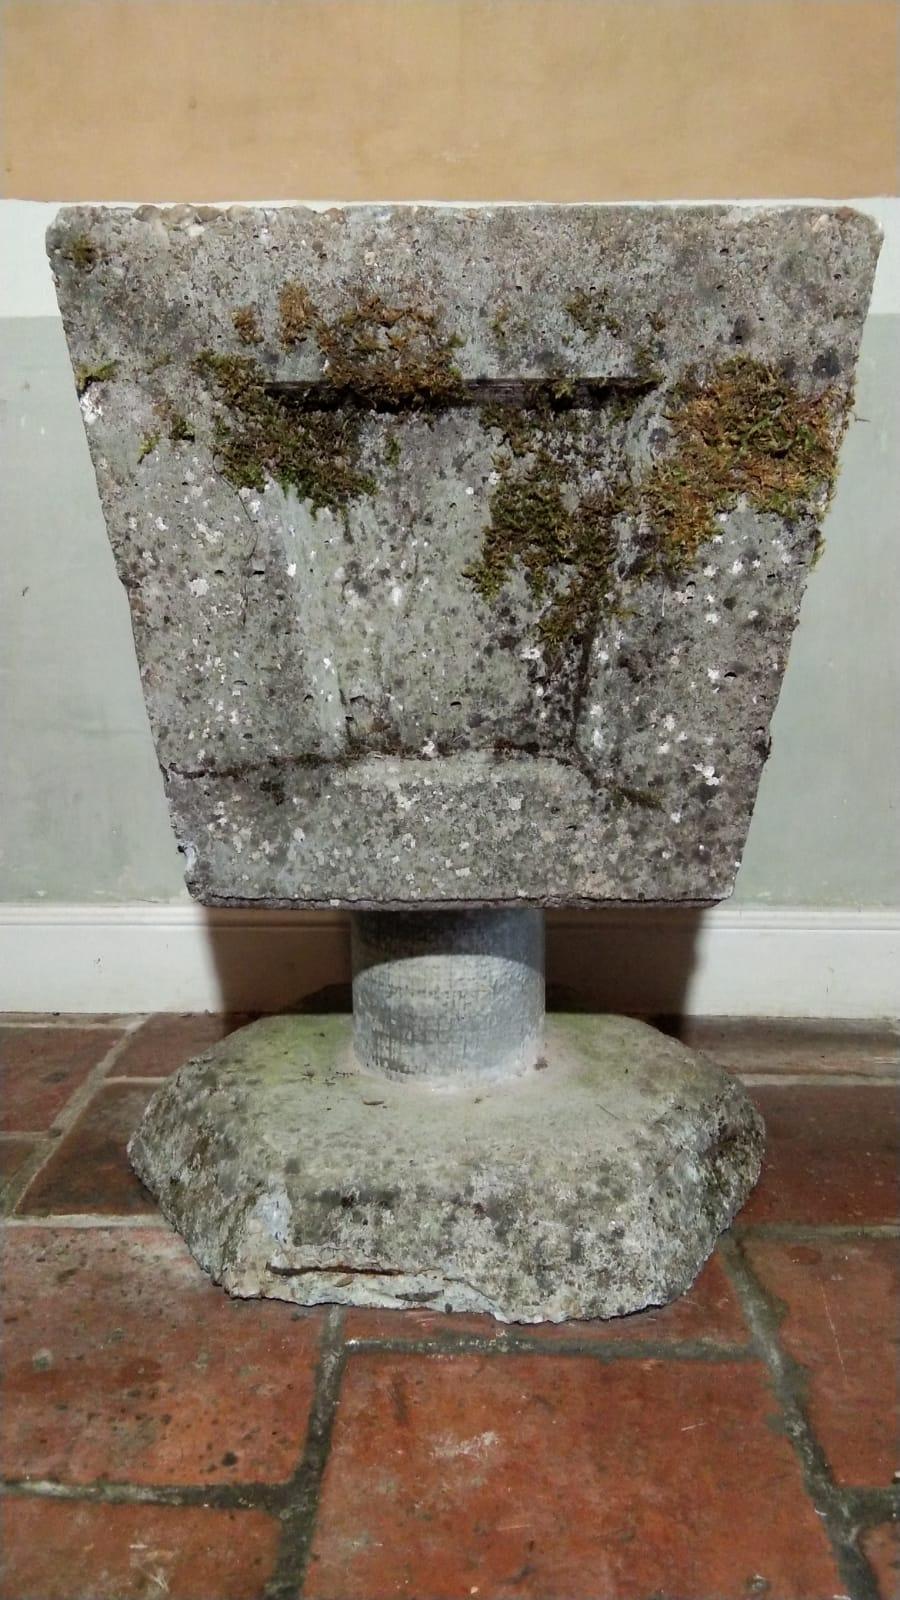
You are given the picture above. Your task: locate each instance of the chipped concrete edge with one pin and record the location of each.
(26, 286)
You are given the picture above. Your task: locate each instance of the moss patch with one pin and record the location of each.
(389, 356)
(375, 356)
(744, 432)
(590, 312)
(297, 314)
(263, 435)
(246, 325)
(101, 372)
(82, 252)
(179, 430)
(564, 543)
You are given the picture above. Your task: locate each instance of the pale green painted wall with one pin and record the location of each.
(81, 801)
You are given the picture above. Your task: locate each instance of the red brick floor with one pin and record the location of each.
(159, 1439)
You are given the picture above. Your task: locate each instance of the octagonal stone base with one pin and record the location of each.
(591, 1186)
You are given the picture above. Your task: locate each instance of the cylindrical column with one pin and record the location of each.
(448, 994)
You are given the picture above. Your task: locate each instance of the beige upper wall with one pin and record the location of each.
(449, 99)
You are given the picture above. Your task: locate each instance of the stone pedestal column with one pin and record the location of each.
(447, 996)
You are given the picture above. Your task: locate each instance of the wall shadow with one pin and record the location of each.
(636, 962)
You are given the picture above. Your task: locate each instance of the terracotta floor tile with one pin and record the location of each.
(708, 1312)
(882, 1547)
(62, 1550)
(840, 1324)
(14, 1152)
(90, 1171)
(748, 1044)
(832, 1154)
(165, 1042)
(124, 1362)
(521, 1476)
(40, 1068)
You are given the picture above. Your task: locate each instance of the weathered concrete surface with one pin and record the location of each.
(463, 547)
(448, 994)
(589, 1188)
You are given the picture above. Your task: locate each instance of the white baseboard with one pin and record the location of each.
(730, 961)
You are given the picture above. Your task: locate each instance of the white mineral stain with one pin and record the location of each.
(708, 774)
(447, 1448)
(90, 410)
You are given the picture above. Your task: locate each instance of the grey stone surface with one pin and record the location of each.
(589, 1188)
(448, 994)
(342, 714)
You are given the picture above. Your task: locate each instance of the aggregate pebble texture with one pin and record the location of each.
(463, 546)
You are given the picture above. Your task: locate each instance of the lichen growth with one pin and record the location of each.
(82, 252)
(263, 435)
(100, 372)
(246, 325)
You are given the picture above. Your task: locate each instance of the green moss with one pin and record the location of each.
(623, 793)
(179, 430)
(499, 324)
(742, 433)
(563, 543)
(175, 426)
(517, 427)
(392, 451)
(590, 312)
(745, 432)
(297, 314)
(375, 356)
(390, 356)
(82, 252)
(246, 325)
(262, 435)
(100, 373)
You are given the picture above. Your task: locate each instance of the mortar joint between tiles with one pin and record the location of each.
(788, 1379)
